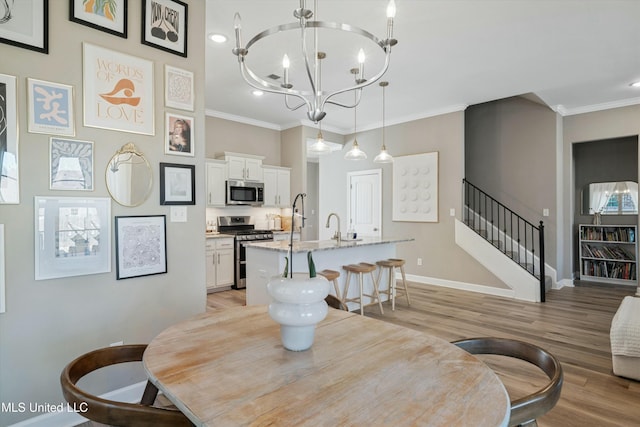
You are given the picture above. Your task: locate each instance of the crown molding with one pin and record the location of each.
(564, 111)
(241, 119)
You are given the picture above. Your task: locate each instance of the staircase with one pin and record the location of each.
(505, 243)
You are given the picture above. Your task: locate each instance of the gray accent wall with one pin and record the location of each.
(510, 153)
(48, 323)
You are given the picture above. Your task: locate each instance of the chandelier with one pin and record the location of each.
(314, 97)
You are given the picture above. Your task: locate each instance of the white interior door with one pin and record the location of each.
(365, 202)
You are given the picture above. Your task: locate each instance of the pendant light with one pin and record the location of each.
(319, 147)
(383, 157)
(355, 153)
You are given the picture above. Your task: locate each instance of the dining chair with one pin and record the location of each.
(334, 302)
(525, 410)
(110, 412)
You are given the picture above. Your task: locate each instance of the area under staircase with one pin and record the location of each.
(505, 243)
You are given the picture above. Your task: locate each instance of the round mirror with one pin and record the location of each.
(129, 176)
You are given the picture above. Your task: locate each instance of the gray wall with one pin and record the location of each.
(510, 154)
(601, 125)
(48, 323)
(434, 242)
(226, 135)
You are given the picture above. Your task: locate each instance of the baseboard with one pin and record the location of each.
(463, 286)
(64, 415)
(564, 282)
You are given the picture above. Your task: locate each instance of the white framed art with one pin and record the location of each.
(118, 91)
(178, 88)
(50, 108)
(415, 188)
(70, 164)
(3, 304)
(72, 236)
(9, 164)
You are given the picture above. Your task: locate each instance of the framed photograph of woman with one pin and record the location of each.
(179, 139)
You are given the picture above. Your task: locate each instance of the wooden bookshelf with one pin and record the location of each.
(609, 254)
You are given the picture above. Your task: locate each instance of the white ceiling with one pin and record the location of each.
(574, 55)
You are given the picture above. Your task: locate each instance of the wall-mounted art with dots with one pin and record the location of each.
(415, 188)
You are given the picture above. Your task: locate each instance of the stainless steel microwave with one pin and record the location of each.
(244, 193)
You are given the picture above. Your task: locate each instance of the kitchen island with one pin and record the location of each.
(267, 259)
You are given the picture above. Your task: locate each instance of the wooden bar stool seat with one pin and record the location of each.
(391, 264)
(360, 270)
(332, 276)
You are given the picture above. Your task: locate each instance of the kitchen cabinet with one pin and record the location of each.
(277, 186)
(219, 260)
(244, 167)
(216, 177)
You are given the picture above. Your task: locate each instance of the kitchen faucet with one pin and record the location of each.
(336, 236)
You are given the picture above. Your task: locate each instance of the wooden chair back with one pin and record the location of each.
(525, 410)
(111, 412)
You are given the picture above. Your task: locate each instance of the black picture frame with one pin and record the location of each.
(38, 42)
(157, 32)
(141, 245)
(121, 16)
(177, 184)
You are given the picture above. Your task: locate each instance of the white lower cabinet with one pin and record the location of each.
(219, 260)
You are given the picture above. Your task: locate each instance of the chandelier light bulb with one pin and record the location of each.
(391, 9)
(285, 62)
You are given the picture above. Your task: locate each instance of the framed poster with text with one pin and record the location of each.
(118, 91)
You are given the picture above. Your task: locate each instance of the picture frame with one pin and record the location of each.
(141, 246)
(179, 139)
(118, 91)
(9, 161)
(178, 88)
(158, 32)
(70, 164)
(50, 108)
(415, 188)
(177, 184)
(3, 304)
(72, 236)
(25, 24)
(110, 18)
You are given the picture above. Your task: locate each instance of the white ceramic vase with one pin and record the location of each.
(298, 305)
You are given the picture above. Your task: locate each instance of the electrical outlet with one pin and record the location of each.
(419, 261)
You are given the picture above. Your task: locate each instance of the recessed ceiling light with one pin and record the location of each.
(635, 84)
(257, 93)
(218, 38)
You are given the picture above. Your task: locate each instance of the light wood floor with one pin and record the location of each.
(573, 324)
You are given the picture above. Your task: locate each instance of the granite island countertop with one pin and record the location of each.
(324, 245)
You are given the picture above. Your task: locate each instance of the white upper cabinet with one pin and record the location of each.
(216, 177)
(277, 186)
(244, 167)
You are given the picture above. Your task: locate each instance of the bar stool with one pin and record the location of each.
(332, 276)
(360, 269)
(392, 264)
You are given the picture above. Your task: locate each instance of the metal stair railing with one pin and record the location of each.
(517, 238)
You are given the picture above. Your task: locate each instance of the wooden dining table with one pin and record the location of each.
(229, 368)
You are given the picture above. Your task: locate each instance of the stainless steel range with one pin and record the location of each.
(243, 231)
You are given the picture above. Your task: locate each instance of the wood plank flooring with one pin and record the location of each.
(573, 324)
